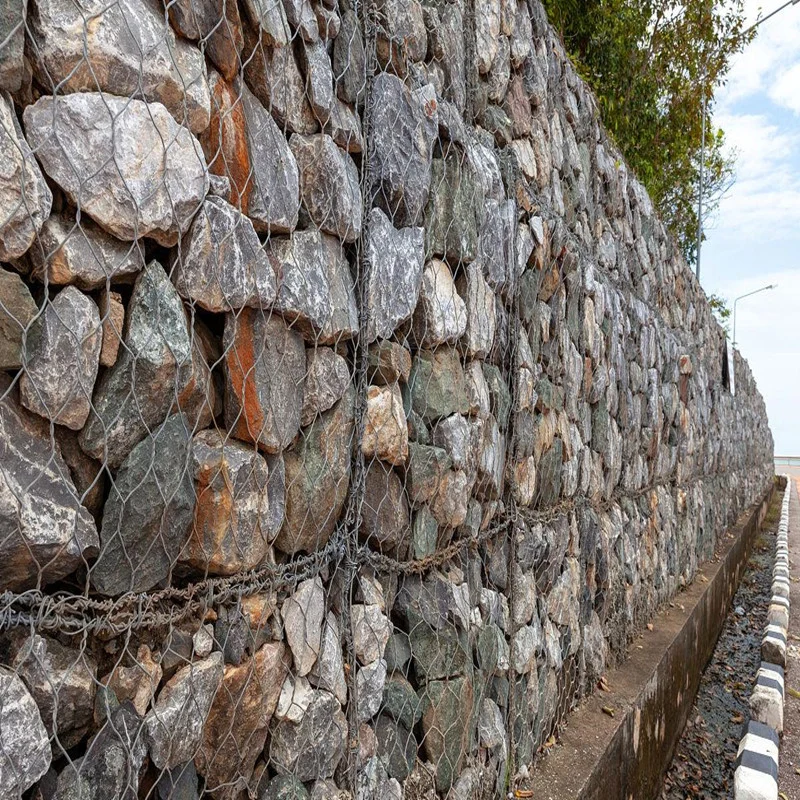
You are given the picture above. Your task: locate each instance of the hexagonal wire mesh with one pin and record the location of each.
(337, 456)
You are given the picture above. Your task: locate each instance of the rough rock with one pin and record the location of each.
(404, 129)
(344, 127)
(17, 310)
(327, 379)
(397, 747)
(328, 670)
(315, 288)
(136, 684)
(128, 50)
(148, 515)
(446, 31)
(173, 728)
(317, 479)
(157, 359)
(387, 363)
(437, 384)
(265, 362)
(232, 500)
(221, 264)
(25, 198)
(401, 35)
(449, 503)
(270, 17)
(425, 472)
(303, 613)
(12, 34)
(47, 533)
(481, 314)
(396, 259)
(400, 701)
(128, 164)
(441, 315)
(370, 680)
(385, 429)
(201, 397)
(62, 358)
(83, 254)
(329, 185)
(349, 60)
(384, 514)
(371, 629)
(312, 748)
(282, 787)
(237, 724)
(319, 78)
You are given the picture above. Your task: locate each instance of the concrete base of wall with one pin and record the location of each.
(604, 758)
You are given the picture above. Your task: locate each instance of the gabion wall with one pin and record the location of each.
(355, 408)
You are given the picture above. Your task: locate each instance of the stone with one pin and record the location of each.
(201, 397)
(237, 724)
(47, 533)
(111, 765)
(232, 499)
(491, 727)
(396, 258)
(173, 728)
(343, 126)
(327, 379)
(441, 315)
(25, 198)
(303, 613)
(62, 356)
(148, 515)
(17, 311)
(296, 695)
(218, 25)
(400, 701)
(317, 479)
(156, 359)
(384, 515)
(385, 429)
(404, 129)
(270, 18)
(12, 35)
(481, 315)
(397, 747)
(83, 254)
(328, 670)
(445, 722)
(128, 164)
(437, 384)
(387, 363)
(283, 787)
(329, 22)
(61, 680)
(178, 784)
(424, 534)
(371, 629)
(491, 461)
(456, 435)
(302, 18)
(398, 652)
(87, 474)
(349, 60)
(319, 78)
(221, 264)
(487, 33)
(311, 749)
(129, 50)
(455, 208)
(401, 35)
(449, 504)
(446, 42)
(274, 201)
(112, 315)
(370, 680)
(315, 287)
(265, 362)
(329, 185)
(425, 472)
(136, 684)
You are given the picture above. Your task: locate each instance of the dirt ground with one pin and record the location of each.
(702, 768)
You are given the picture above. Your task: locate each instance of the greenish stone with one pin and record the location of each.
(400, 701)
(499, 395)
(437, 384)
(424, 533)
(491, 647)
(437, 653)
(283, 787)
(397, 747)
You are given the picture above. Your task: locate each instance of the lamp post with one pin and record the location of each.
(703, 140)
(741, 297)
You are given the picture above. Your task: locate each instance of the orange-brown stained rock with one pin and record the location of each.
(112, 313)
(224, 142)
(236, 728)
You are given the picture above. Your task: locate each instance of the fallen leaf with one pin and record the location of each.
(550, 742)
(783, 796)
(649, 626)
(608, 710)
(737, 718)
(794, 692)
(523, 793)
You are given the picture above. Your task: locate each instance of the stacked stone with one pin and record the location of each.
(426, 424)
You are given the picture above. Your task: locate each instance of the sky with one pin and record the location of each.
(754, 238)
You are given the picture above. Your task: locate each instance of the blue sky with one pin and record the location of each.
(754, 238)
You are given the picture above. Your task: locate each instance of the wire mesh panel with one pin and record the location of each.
(355, 409)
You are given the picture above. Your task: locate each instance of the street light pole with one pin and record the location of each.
(741, 297)
(703, 140)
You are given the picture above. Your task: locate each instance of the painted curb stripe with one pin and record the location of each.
(758, 762)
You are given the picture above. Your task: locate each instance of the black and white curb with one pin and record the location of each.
(756, 776)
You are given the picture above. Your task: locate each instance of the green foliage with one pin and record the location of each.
(721, 310)
(651, 63)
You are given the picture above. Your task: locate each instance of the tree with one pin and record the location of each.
(721, 310)
(651, 63)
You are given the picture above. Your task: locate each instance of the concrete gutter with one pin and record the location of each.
(605, 758)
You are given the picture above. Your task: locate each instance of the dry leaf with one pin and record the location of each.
(737, 718)
(793, 692)
(649, 626)
(523, 793)
(608, 710)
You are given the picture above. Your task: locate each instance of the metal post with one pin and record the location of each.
(741, 297)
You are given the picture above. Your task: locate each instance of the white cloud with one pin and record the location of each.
(786, 89)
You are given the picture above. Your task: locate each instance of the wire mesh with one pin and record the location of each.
(355, 408)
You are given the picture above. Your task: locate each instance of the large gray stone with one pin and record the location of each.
(349, 60)
(317, 479)
(62, 356)
(303, 613)
(45, 532)
(446, 30)
(25, 755)
(329, 185)
(12, 53)
(404, 128)
(319, 78)
(221, 264)
(25, 198)
(327, 379)
(127, 49)
(328, 670)
(265, 362)
(385, 520)
(17, 310)
(156, 360)
(437, 384)
(148, 515)
(315, 288)
(270, 17)
(128, 164)
(441, 315)
(396, 261)
(173, 728)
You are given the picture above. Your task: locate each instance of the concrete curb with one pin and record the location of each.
(756, 770)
